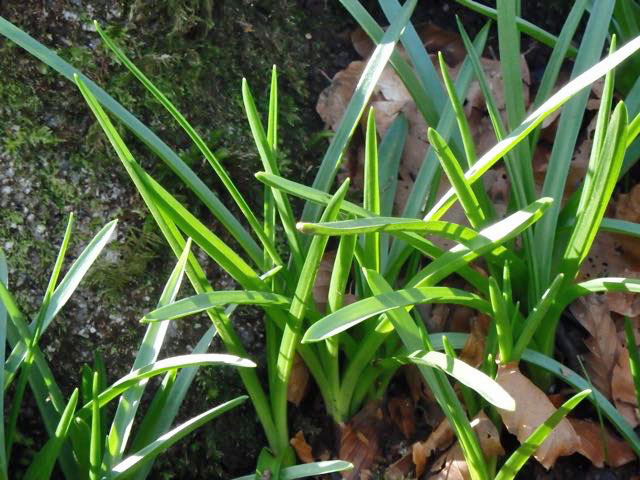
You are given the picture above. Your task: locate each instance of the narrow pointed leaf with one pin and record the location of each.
(473, 378)
(308, 470)
(205, 301)
(331, 161)
(162, 366)
(518, 458)
(162, 443)
(357, 312)
(200, 143)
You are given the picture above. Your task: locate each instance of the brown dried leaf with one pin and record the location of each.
(605, 259)
(592, 440)
(475, 99)
(400, 469)
(439, 439)
(401, 412)
(603, 343)
(436, 39)
(362, 43)
(302, 448)
(623, 389)
(627, 304)
(532, 408)
(452, 466)
(359, 440)
(473, 350)
(391, 87)
(298, 382)
(414, 379)
(627, 207)
(334, 99)
(320, 290)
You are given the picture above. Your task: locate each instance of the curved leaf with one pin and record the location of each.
(357, 312)
(205, 301)
(473, 378)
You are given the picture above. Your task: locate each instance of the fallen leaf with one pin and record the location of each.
(400, 469)
(627, 304)
(627, 207)
(493, 72)
(603, 343)
(334, 99)
(439, 439)
(302, 448)
(359, 440)
(532, 408)
(623, 389)
(436, 39)
(362, 43)
(606, 259)
(592, 444)
(320, 290)
(298, 381)
(473, 350)
(451, 465)
(401, 412)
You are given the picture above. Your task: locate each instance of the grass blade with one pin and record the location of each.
(502, 320)
(267, 155)
(293, 328)
(161, 366)
(202, 146)
(308, 470)
(634, 358)
(148, 353)
(473, 378)
(576, 381)
(44, 461)
(534, 119)
(524, 26)
(205, 301)
(518, 458)
(419, 57)
(552, 69)
(509, 46)
(565, 374)
(487, 240)
(364, 89)
(536, 316)
(598, 187)
(62, 293)
(3, 342)
(94, 447)
(415, 339)
(361, 310)
(371, 194)
(454, 173)
(416, 88)
(567, 134)
(427, 175)
(211, 243)
(162, 443)
(419, 243)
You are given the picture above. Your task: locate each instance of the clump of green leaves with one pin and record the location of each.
(77, 426)
(381, 258)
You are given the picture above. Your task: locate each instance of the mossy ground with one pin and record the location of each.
(55, 160)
